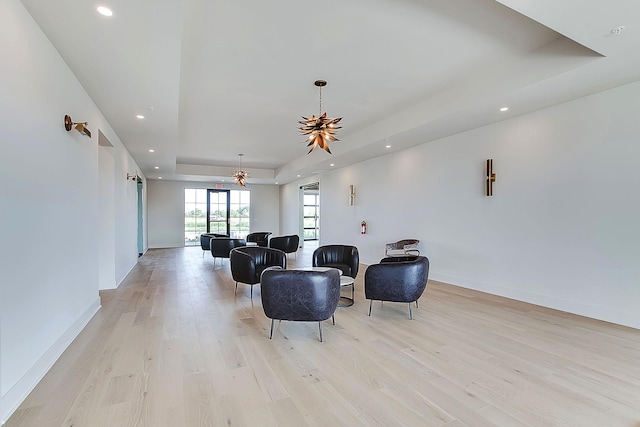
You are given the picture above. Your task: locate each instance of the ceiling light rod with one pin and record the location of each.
(320, 84)
(320, 130)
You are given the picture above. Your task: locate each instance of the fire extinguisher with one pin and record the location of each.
(363, 227)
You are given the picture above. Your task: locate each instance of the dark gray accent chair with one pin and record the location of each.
(261, 238)
(299, 295)
(248, 263)
(397, 279)
(287, 244)
(204, 241)
(222, 246)
(342, 257)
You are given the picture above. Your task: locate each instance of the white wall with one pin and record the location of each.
(50, 265)
(560, 231)
(166, 210)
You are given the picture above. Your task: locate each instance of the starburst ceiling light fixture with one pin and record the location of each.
(240, 175)
(320, 130)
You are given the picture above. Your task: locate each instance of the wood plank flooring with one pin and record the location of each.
(173, 346)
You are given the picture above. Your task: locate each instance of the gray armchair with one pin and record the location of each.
(342, 257)
(248, 263)
(397, 279)
(261, 238)
(221, 247)
(204, 241)
(299, 295)
(287, 244)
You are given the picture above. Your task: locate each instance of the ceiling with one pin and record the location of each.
(218, 78)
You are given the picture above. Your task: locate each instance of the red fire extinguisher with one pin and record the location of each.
(363, 227)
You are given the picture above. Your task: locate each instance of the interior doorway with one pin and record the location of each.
(310, 209)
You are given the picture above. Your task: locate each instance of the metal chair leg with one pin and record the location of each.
(271, 331)
(320, 328)
(370, 304)
(410, 313)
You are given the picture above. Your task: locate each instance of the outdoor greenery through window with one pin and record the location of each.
(228, 212)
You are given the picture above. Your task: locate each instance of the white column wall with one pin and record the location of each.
(50, 262)
(560, 231)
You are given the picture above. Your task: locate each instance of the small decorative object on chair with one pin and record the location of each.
(402, 248)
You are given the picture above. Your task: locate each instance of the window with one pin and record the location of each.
(195, 215)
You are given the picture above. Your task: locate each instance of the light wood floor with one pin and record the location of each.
(173, 346)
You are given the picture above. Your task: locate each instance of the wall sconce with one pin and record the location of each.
(80, 126)
(491, 177)
(133, 177)
(352, 194)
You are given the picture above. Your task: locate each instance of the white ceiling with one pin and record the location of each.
(218, 78)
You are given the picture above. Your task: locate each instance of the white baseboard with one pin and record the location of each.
(16, 394)
(605, 314)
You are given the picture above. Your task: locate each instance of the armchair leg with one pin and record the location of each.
(370, 304)
(236, 291)
(416, 303)
(271, 331)
(333, 319)
(251, 291)
(410, 313)
(320, 328)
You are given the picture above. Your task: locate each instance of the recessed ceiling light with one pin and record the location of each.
(159, 177)
(276, 182)
(140, 116)
(298, 176)
(104, 11)
(332, 164)
(156, 167)
(152, 150)
(504, 109)
(387, 146)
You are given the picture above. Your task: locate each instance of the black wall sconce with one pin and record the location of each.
(491, 177)
(80, 126)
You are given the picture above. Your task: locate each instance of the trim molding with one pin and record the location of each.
(604, 314)
(19, 392)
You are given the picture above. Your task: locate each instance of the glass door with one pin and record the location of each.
(311, 218)
(218, 202)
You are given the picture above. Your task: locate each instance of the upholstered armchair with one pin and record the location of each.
(287, 244)
(204, 241)
(345, 258)
(397, 279)
(261, 238)
(299, 295)
(248, 263)
(221, 247)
